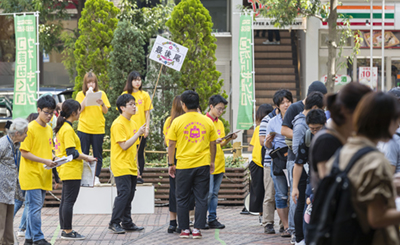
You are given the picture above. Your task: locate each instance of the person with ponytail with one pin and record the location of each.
(67, 143)
(9, 185)
(143, 106)
(341, 106)
(91, 127)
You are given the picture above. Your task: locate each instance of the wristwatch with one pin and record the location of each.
(171, 164)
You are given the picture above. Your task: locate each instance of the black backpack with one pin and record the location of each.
(333, 218)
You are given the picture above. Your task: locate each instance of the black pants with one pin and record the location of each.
(271, 35)
(140, 153)
(198, 181)
(299, 212)
(96, 141)
(257, 191)
(126, 187)
(70, 191)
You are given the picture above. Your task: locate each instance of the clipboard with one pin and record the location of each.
(60, 162)
(88, 174)
(92, 97)
(230, 135)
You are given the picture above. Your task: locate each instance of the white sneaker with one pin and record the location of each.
(301, 243)
(278, 42)
(268, 42)
(20, 233)
(97, 181)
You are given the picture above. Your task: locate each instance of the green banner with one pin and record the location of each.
(24, 101)
(245, 114)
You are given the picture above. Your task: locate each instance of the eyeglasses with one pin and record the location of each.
(315, 129)
(219, 109)
(132, 104)
(48, 113)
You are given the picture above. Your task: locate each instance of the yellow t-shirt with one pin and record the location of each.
(167, 125)
(255, 141)
(39, 142)
(193, 133)
(123, 162)
(67, 138)
(143, 104)
(91, 120)
(219, 157)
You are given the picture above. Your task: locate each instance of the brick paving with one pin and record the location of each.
(240, 229)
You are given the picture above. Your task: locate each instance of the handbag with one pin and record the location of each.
(279, 158)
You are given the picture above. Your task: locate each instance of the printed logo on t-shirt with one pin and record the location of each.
(140, 102)
(219, 132)
(57, 147)
(194, 132)
(50, 141)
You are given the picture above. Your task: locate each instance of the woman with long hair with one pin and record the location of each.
(176, 111)
(143, 106)
(67, 143)
(91, 127)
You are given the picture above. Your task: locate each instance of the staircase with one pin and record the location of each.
(276, 68)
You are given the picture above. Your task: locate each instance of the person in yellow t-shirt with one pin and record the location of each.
(36, 151)
(124, 136)
(143, 106)
(91, 127)
(193, 136)
(67, 143)
(217, 105)
(176, 111)
(256, 166)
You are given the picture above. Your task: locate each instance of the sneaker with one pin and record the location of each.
(278, 42)
(216, 225)
(42, 242)
(191, 224)
(293, 239)
(269, 229)
(97, 181)
(132, 227)
(20, 233)
(73, 235)
(206, 227)
(281, 229)
(267, 42)
(139, 181)
(302, 242)
(28, 242)
(196, 234)
(116, 228)
(260, 219)
(171, 229)
(185, 234)
(286, 233)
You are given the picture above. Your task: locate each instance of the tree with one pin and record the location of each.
(284, 13)
(190, 25)
(127, 55)
(93, 47)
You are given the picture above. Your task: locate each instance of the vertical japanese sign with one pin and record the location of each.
(168, 53)
(24, 101)
(245, 119)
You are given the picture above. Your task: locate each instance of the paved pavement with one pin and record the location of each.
(240, 229)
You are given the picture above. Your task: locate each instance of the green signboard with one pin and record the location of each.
(245, 113)
(25, 85)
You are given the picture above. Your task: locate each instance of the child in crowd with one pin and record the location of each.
(217, 105)
(36, 150)
(124, 135)
(143, 106)
(257, 191)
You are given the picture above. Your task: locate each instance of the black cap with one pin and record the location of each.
(317, 86)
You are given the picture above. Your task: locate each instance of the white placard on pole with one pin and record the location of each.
(365, 76)
(168, 53)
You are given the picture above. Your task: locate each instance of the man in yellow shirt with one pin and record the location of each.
(194, 136)
(124, 135)
(217, 105)
(36, 151)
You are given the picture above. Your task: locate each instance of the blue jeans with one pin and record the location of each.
(292, 207)
(281, 189)
(35, 198)
(17, 206)
(215, 183)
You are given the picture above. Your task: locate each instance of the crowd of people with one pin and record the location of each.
(309, 157)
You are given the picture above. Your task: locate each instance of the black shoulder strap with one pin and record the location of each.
(357, 156)
(398, 134)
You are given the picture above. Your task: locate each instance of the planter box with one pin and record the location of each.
(234, 187)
